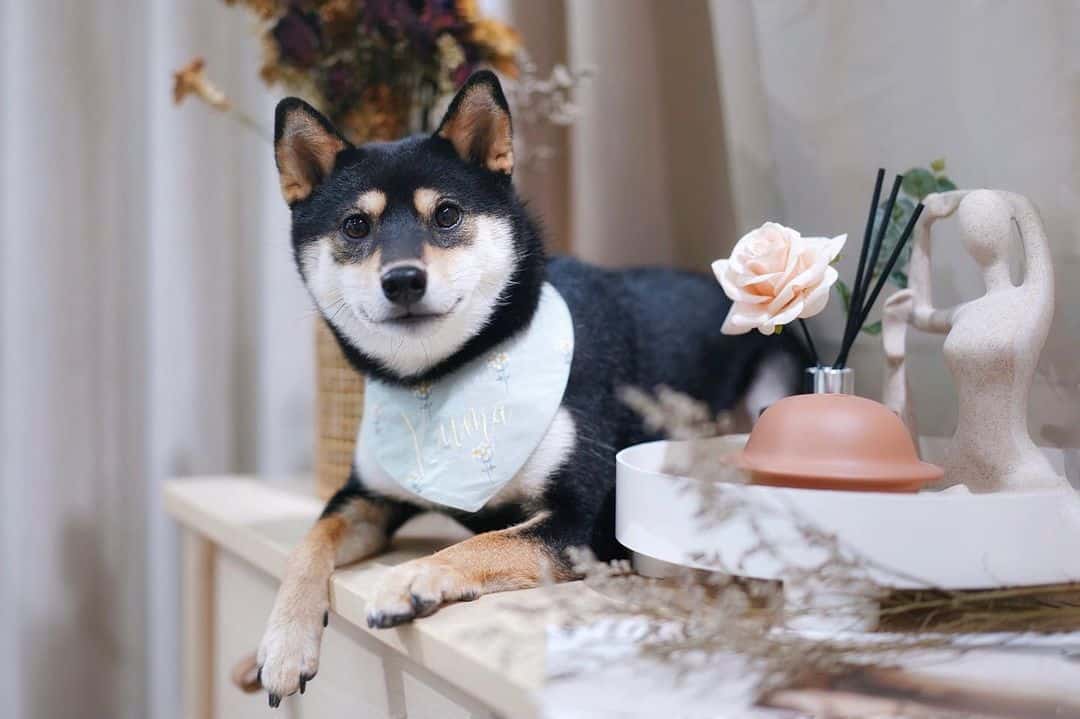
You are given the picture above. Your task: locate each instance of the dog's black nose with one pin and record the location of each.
(404, 285)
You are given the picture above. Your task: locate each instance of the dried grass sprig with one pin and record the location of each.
(677, 415)
(538, 101)
(693, 615)
(1041, 609)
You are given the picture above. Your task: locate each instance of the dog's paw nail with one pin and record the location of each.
(275, 701)
(382, 620)
(325, 618)
(420, 605)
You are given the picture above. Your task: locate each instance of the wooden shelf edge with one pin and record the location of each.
(259, 521)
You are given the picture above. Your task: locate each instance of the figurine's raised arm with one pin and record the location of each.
(924, 316)
(1038, 264)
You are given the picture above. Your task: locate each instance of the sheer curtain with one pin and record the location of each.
(648, 157)
(151, 325)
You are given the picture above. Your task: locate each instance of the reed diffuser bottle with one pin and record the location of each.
(839, 378)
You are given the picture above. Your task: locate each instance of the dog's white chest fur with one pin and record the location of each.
(528, 483)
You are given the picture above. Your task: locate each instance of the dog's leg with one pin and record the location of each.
(518, 557)
(351, 527)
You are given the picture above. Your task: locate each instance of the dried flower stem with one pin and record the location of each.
(247, 121)
(191, 81)
(698, 614)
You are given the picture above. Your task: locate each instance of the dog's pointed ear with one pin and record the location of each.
(305, 148)
(477, 124)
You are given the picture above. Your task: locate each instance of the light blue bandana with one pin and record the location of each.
(457, 441)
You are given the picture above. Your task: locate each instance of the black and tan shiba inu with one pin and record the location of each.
(422, 258)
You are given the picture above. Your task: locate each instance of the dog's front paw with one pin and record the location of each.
(288, 656)
(416, 589)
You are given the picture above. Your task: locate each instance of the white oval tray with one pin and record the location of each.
(930, 539)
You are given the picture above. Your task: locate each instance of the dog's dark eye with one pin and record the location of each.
(447, 214)
(356, 227)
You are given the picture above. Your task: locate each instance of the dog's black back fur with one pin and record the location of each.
(632, 329)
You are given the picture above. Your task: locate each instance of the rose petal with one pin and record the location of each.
(788, 233)
(818, 297)
(719, 268)
(753, 279)
(768, 248)
(736, 262)
(783, 299)
(828, 246)
(791, 267)
(731, 327)
(811, 276)
(742, 318)
(834, 246)
(749, 315)
(789, 313)
(729, 282)
(744, 248)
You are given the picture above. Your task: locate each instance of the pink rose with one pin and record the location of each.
(775, 276)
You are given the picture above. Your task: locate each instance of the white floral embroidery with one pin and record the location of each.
(500, 362)
(484, 454)
(422, 392)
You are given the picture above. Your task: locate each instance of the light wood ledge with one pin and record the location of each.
(490, 649)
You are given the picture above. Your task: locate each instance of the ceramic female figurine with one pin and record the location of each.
(992, 344)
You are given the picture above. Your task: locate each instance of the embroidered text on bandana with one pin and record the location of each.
(458, 440)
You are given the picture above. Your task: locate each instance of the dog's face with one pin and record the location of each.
(406, 247)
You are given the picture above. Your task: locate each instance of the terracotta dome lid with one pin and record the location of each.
(834, 441)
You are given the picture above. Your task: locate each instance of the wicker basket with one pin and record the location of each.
(339, 401)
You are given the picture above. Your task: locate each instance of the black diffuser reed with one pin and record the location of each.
(862, 296)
